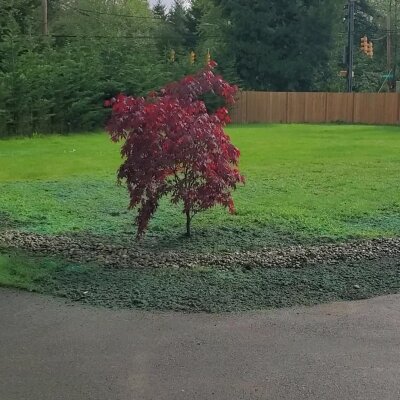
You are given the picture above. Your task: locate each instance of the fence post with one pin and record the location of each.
(247, 111)
(398, 108)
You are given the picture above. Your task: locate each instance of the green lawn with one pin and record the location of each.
(305, 183)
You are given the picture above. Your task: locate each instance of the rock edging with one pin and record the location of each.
(90, 251)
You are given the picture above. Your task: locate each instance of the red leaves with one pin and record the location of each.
(223, 116)
(173, 146)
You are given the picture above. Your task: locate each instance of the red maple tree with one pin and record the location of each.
(174, 146)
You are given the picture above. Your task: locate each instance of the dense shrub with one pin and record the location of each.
(58, 83)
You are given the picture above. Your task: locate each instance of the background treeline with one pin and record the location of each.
(97, 48)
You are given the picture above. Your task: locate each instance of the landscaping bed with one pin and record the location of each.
(85, 270)
(200, 289)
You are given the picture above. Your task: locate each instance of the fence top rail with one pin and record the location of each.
(327, 93)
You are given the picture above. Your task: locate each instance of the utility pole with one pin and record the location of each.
(395, 44)
(350, 44)
(44, 15)
(389, 46)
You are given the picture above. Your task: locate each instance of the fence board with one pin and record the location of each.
(282, 107)
(339, 107)
(377, 109)
(391, 112)
(258, 106)
(238, 112)
(366, 108)
(296, 110)
(279, 105)
(315, 107)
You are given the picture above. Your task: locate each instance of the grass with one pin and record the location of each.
(23, 272)
(305, 184)
(55, 157)
(201, 289)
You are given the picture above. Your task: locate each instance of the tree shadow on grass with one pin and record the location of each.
(7, 222)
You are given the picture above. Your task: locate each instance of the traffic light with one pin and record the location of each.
(208, 57)
(370, 52)
(192, 57)
(364, 45)
(172, 56)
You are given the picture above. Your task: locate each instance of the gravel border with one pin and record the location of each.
(90, 250)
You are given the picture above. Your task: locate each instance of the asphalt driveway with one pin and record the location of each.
(50, 350)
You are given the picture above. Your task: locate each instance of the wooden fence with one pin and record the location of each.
(283, 107)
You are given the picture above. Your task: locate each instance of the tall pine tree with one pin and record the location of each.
(280, 44)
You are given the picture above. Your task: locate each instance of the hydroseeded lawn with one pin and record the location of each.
(305, 184)
(201, 289)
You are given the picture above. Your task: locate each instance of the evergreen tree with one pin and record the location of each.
(160, 11)
(212, 28)
(280, 44)
(96, 49)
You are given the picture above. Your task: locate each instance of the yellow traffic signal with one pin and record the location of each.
(192, 57)
(208, 57)
(370, 52)
(172, 56)
(364, 45)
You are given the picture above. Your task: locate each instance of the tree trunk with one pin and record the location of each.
(188, 221)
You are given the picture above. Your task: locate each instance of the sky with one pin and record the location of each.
(166, 2)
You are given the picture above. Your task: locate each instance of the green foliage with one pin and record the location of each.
(201, 28)
(279, 45)
(367, 72)
(287, 45)
(59, 83)
(212, 28)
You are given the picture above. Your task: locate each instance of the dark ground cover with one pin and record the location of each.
(211, 289)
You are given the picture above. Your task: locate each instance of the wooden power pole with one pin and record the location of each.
(389, 48)
(44, 14)
(350, 45)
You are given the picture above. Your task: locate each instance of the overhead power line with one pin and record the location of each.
(83, 10)
(111, 37)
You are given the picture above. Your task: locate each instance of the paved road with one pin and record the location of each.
(53, 351)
